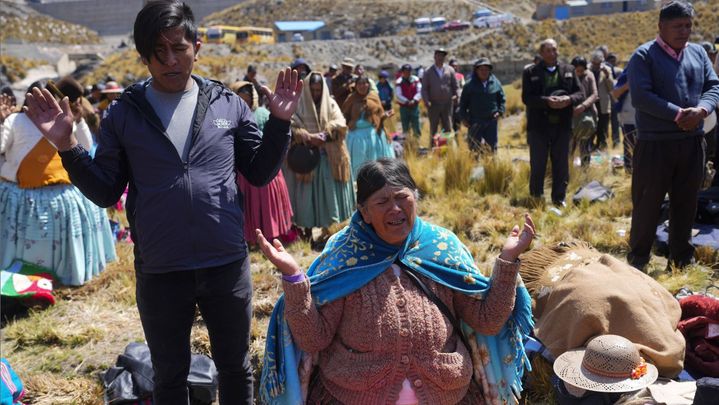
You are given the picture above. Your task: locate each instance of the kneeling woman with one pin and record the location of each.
(378, 310)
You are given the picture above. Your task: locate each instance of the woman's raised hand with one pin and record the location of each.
(284, 100)
(7, 106)
(276, 253)
(52, 119)
(518, 242)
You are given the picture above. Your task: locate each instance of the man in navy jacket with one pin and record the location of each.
(177, 140)
(549, 90)
(673, 88)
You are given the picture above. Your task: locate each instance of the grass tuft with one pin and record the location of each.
(458, 164)
(498, 175)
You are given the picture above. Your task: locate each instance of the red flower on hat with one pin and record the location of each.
(640, 370)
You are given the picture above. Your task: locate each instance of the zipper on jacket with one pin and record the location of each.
(185, 163)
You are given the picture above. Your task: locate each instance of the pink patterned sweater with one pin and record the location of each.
(389, 330)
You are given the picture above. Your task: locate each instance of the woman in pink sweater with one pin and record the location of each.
(394, 311)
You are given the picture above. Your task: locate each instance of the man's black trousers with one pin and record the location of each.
(659, 167)
(551, 142)
(167, 305)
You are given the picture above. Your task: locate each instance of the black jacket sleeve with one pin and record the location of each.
(102, 179)
(259, 156)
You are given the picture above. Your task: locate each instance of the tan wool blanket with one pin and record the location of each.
(580, 293)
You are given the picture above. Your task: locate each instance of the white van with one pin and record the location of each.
(423, 25)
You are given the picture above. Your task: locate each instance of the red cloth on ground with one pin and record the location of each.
(700, 327)
(267, 208)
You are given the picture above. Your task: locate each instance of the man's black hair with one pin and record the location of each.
(579, 61)
(375, 174)
(158, 16)
(676, 9)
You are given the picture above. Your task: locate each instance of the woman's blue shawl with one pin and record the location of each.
(355, 256)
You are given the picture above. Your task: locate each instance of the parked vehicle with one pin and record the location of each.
(456, 25)
(423, 25)
(297, 37)
(225, 34)
(482, 12)
(494, 20)
(437, 23)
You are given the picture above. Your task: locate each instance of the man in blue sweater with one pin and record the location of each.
(177, 140)
(673, 88)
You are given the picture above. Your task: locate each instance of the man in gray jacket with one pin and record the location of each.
(176, 140)
(673, 88)
(439, 92)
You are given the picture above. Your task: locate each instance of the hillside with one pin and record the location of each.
(578, 36)
(22, 24)
(515, 42)
(361, 17)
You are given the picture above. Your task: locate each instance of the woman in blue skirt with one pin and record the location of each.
(365, 116)
(44, 219)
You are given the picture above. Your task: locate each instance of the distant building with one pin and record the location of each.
(294, 31)
(580, 8)
(112, 17)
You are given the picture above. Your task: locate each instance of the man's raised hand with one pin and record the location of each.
(284, 100)
(52, 119)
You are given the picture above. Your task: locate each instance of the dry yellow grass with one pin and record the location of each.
(60, 351)
(16, 68)
(44, 29)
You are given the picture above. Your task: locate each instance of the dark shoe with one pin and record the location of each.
(637, 262)
(680, 264)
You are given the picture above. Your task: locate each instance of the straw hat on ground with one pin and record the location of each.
(609, 363)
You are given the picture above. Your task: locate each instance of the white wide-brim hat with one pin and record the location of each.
(611, 358)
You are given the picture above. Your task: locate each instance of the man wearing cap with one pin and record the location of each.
(96, 93)
(343, 83)
(550, 90)
(176, 141)
(408, 89)
(439, 91)
(330, 75)
(673, 88)
(384, 88)
(301, 66)
(481, 104)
